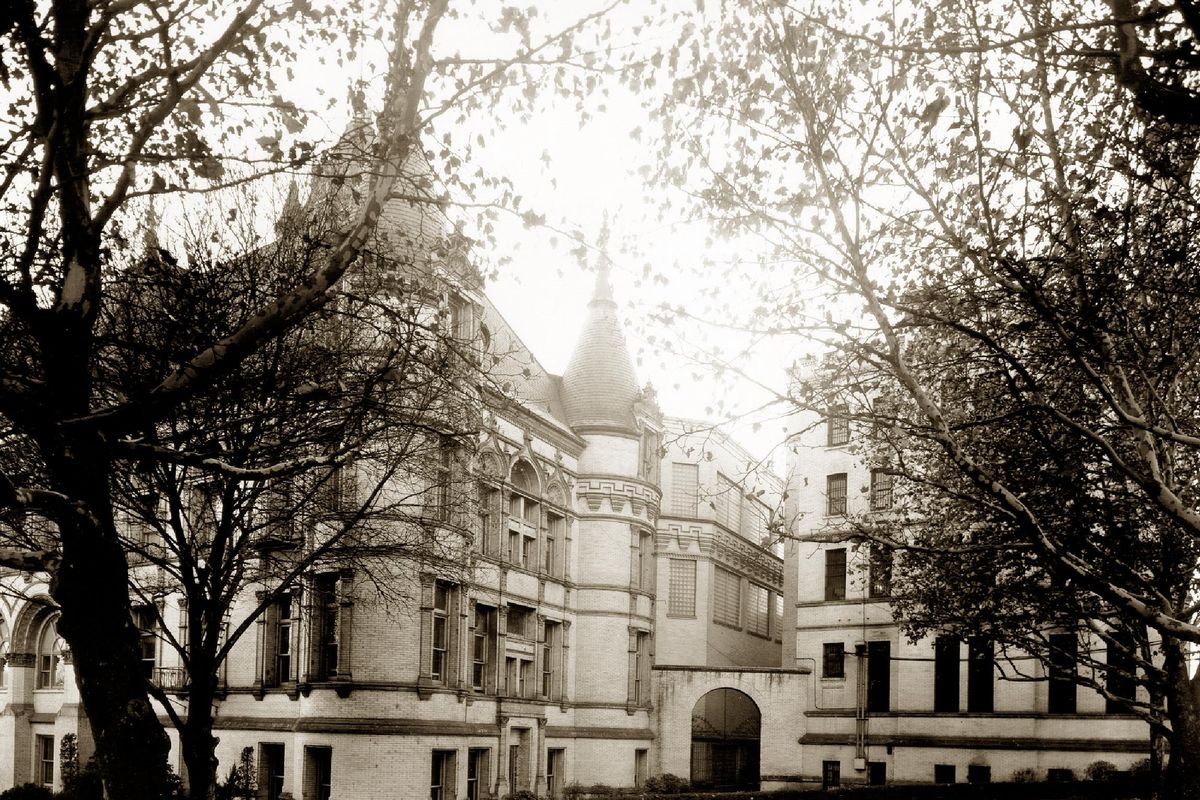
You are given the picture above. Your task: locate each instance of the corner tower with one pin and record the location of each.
(617, 499)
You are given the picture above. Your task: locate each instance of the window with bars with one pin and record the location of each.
(835, 574)
(835, 494)
(837, 426)
(758, 611)
(728, 503)
(681, 592)
(833, 660)
(726, 597)
(881, 490)
(685, 489)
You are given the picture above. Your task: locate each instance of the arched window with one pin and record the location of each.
(50, 647)
(524, 515)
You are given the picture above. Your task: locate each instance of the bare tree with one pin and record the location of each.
(1002, 247)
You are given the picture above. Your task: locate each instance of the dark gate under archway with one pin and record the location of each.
(726, 725)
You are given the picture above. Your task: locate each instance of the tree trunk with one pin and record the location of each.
(196, 741)
(1181, 781)
(91, 588)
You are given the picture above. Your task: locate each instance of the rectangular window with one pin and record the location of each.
(831, 774)
(520, 622)
(944, 773)
(758, 611)
(478, 761)
(556, 534)
(525, 677)
(833, 660)
(728, 502)
(270, 770)
(1060, 669)
(726, 597)
(881, 490)
(514, 767)
(641, 669)
(981, 676)
(876, 773)
(1119, 675)
(979, 773)
(879, 583)
(515, 553)
(681, 591)
(641, 762)
(642, 565)
(441, 778)
(685, 489)
(318, 773)
(482, 638)
(146, 619)
(555, 761)
(837, 426)
(945, 674)
(45, 760)
(835, 574)
(779, 616)
(835, 494)
(441, 631)
(326, 611)
(283, 638)
(879, 676)
(551, 647)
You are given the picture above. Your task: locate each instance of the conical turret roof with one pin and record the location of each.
(599, 387)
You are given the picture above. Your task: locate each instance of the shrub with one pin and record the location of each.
(666, 784)
(1140, 771)
(1101, 771)
(522, 794)
(1025, 775)
(27, 791)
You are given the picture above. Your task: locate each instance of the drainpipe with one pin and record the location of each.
(860, 716)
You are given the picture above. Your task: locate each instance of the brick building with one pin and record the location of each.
(884, 709)
(539, 664)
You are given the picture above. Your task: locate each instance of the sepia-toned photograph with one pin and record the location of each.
(599, 400)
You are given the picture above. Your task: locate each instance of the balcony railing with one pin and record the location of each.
(169, 679)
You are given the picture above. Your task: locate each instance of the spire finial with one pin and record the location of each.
(602, 293)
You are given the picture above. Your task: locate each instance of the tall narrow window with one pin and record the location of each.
(556, 526)
(555, 757)
(443, 480)
(49, 675)
(879, 582)
(650, 456)
(681, 591)
(489, 519)
(283, 638)
(981, 676)
(833, 660)
(145, 618)
(326, 611)
(441, 631)
(685, 489)
(1119, 674)
(641, 762)
(831, 774)
(879, 676)
(441, 779)
(270, 770)
(551, 647)
(641, 669)
(837, 426)
(318, 773)
(835, 574)
(726, 597)
(835, 494)
(758, 610)
(478, 761)
(881, 490)
(45, 760)
(778, 598)
(643, 563)
(1061, 671)
(482, 644)
(945, 674)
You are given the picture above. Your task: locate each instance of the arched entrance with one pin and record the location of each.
(725, 730)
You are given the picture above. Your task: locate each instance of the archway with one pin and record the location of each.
(726, 725)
